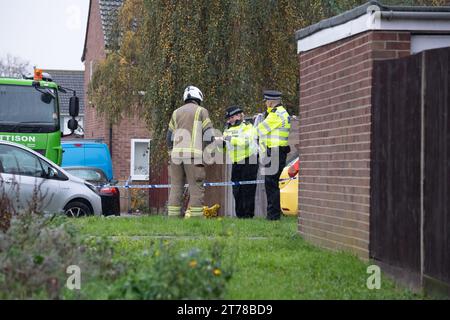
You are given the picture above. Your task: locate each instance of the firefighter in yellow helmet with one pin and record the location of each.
(273, 135)
(240, 142)
(187, 128)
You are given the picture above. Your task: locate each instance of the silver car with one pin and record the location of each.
(32, 182)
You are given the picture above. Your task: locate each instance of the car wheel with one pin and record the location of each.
(77, 209)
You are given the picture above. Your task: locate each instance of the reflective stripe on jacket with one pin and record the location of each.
(240, 141)
(186, 127)
(274, 130)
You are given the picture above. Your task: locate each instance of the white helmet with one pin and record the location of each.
(192, 92)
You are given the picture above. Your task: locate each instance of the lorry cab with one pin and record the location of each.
(87, 153)
(30, 113)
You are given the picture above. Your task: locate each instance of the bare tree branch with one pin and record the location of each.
(13, 67)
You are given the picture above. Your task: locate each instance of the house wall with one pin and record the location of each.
(129, 128)
(334, 139)
(96, 127)
(122, 133)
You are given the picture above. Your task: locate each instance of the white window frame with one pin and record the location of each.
(133, 176)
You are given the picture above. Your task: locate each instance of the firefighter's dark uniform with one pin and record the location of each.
(273, 135)
(241, 146)
(186, 128)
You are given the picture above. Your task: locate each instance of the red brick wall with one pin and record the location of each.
(95, 127)
(129, 128)
(334, 144)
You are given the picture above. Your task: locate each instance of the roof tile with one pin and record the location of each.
(108, 14)
(70, 79)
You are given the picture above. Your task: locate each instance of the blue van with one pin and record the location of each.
(87, 153)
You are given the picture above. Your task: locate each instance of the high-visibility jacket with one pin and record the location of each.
(186, 129)
(274, 130)
(240, 141)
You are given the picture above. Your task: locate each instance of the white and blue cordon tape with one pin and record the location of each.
(206, 184)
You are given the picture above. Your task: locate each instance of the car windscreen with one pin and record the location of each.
(87, 174)
(27, 106)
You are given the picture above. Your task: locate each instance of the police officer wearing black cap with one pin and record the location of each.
(239, 140)
(273, 135)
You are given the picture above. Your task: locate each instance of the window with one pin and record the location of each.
(48, 168)
(19, 162)
(91, 175)
(140, 160)
(28, 108)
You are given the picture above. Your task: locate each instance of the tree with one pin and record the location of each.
(231, 50)
(13, 67)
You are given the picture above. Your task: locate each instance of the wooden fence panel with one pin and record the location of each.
(437, 165)
(395, 171)
(410, 176)
(158, 197)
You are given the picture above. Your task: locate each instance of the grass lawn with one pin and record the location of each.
(271, 259)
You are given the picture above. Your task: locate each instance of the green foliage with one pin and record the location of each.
(175, 275)
(35, 252)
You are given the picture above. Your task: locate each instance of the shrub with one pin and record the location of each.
(195, 274)
(35, 252)
(139, 201)
(6, 209)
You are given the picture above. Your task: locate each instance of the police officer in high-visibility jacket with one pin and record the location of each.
(240, 142)
(187, 128)
(273, 135)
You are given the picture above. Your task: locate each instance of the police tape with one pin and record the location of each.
(206, 184)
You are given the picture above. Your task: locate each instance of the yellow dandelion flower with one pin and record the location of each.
(217, 272)
(193, 264)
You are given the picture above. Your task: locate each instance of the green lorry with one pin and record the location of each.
(29, 113)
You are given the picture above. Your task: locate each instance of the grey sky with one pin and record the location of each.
(47, 33)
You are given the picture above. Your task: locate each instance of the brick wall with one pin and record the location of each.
(95, 127)
(129, 128)
(334, 144)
